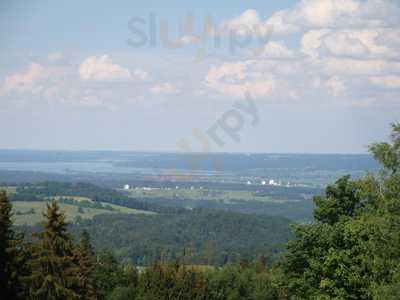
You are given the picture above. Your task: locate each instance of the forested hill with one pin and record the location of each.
(201, 236)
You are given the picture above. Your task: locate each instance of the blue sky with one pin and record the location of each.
(322, 75)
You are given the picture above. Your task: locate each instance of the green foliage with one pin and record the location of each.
(388, 154)
(340, 200)
(176, 281)
(85, 260)
(108, 274)
(352, 250)
(208, 237)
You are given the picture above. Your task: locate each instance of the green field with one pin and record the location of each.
(71, 211)
(200, 194)
(9, 189)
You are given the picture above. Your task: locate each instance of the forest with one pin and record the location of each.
(349, 251)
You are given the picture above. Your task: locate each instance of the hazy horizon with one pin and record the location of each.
(178, 152)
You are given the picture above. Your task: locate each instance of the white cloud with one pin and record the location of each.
(314, 14)
(325, 13)
(391, 82)
(279, 25)
(311, 42)
(248, 23)
(336, 86)
(27, 81)
(318, 14)
(140, 75)
(344, 44)
(56, 84)
(189, 39)
(102, 68)
(367, 44)
(236, 79)
(277, 50)
(164, 88)
(340, 50)
(353, 67)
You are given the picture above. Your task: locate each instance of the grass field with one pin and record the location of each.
(71, 211)
(8, 189)
(198, 194)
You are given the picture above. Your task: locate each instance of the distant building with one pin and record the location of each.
(249, 182)
(274, 183)
(126, 187)
(263, 182)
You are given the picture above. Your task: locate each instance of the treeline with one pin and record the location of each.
(293, 210)
(52, 189)
(44, 190)
(85, 203)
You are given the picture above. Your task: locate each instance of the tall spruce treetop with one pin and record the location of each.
(53, 267)
(85, 244)
(85, 259)
(55, 236)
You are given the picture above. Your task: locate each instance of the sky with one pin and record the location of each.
(308, 76)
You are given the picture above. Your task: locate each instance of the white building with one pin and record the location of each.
(273, 182)
(126, 187)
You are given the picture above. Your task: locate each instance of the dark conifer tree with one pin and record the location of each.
(53, 269)
(11, 254)
(85, 259)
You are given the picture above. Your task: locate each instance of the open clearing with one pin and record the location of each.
(71, 211)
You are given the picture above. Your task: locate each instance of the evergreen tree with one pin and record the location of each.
(53, 269)
(85, 259)
(11, 253)
(108, 274)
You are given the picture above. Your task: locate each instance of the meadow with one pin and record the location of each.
(201, 194)
(31, 212)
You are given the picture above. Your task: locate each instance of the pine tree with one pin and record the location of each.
(85, 258)
(11, 255)
(53, 269)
